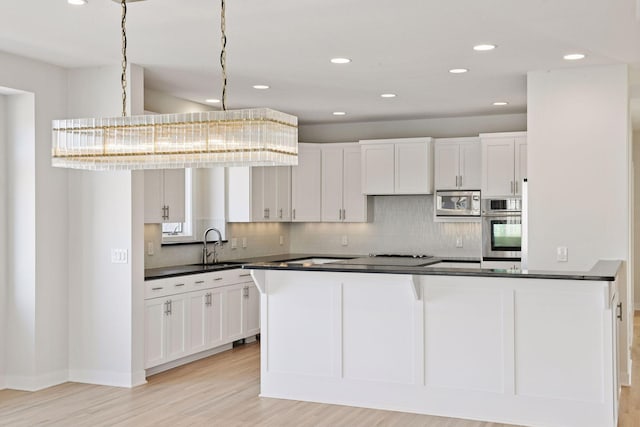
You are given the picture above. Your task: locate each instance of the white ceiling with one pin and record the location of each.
(399, 46)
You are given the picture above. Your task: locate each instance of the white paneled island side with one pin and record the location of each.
(534, 349)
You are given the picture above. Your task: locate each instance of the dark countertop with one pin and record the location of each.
(603, 271)
(183, 270)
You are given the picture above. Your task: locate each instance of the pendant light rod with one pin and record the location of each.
(223, 53)
(123, 76)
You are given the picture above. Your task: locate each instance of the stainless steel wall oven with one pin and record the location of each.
(501, 229)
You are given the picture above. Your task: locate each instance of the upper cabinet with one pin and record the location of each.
(504, 163)
(458, 164)
(342, 198)
(397, 166)
(306, 185)
(259, 194)
(164, 195)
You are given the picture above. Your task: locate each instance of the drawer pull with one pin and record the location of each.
(157, 289)
(199, 282)
(245, 275)
(177, 285)
(217, 278)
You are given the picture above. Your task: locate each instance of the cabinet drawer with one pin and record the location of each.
(168, 286)
(227, 277)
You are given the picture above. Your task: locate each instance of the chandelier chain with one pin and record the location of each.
(223, 55)
(123, 76)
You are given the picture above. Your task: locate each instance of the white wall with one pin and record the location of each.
(436, 128)
(39, 358)
(578, 146)
(579, 172)
(105, 213)
(161, 103)
(636, 161)
(3, 238)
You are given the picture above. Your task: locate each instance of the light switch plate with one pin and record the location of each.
(234, 243)
(244, 242)
(281, 240)
(562, 254)
(119, 256)
(150, 248)
(458, 241)
(344, 241)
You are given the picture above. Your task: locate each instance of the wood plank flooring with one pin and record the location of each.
(222, 390)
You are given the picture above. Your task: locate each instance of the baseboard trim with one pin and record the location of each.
(35, 383)
(108, 378)
(187, 359)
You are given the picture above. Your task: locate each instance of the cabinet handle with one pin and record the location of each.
(199, 282)
(207, 299)
(457, 180)
(280, 214)
(167, 307)
(170, 307)
(217, 278)
(460, 180)
(344, 214)
(168, 214)
(245, 291)
(177, 285)
(294, 213)
(245, 275)
(515, 184)
(157, 289)
(619, 315)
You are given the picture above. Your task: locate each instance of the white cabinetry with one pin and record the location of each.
(164, 195)
(504, 163)
(397, 166)
(306, 184)
(342, 198)
(457, 164)
(166, 336)
(259, 194)
(191, 314)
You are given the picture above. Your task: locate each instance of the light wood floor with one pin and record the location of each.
(223, 391)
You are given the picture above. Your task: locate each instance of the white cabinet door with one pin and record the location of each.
(174, 197)
(413, 168)
(470, 166)
(259, 202)
(214, 320)
(378, 168)
(355, 204)
(520, 163)
(235, 314)
(306, 184)
(498, 167)
(259, 194)
(177, 327)
(153, 197)
(283, 200)
(332, 184)
(252, 301)
(270, 192)
(198, 315)
(447, 161)
(155, 332)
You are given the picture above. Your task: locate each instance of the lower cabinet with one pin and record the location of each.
(187, 323)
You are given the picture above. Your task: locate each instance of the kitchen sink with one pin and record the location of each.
(313, 261)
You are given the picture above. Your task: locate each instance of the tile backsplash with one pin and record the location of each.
(401, 224)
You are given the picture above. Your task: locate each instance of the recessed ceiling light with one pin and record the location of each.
(458, 70)
(340, 60)
(574, 56)
(388, 95)
(77, 2)
(500, 103)
(484, 47)
(212, 101)
(339, 113)
(260, 86)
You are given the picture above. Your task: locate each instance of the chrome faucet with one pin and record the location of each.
(205, 251)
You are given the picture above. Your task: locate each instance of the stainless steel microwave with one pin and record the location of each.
(457, 203)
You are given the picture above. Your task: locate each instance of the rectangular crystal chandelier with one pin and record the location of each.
(249, 137)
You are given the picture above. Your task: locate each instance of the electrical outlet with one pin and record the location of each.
(458, 241)
(562, 254)
(244, 242)
(281, 240)
(234, 243)
(119, 256)
(150, 248)
(344, 241)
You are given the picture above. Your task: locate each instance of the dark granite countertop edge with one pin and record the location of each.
(603, 271)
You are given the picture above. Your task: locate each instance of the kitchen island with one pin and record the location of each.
(533, 348)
